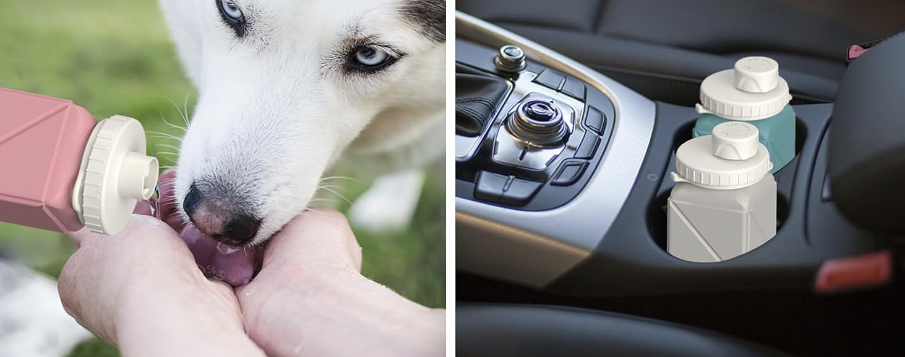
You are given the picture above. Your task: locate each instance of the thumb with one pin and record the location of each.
(314, 239)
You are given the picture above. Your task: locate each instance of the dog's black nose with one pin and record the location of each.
(192, 201)
(218, 219)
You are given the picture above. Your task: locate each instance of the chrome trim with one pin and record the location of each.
(566, 116)
(512, 150)
(536, 247)
(507, 63)
(508, 150)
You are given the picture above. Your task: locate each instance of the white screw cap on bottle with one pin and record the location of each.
(115, 174)
(752, 90)
(730, 158)
(756, 74)
(735, 141)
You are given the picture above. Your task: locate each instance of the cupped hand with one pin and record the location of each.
(141, 290)
(310, 299)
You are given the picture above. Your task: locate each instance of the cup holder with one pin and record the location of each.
(656, 213)
(656, 216)
(801, 133)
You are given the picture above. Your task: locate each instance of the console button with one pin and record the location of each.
(490, 186)
(588, 146)
(511, 59)
(861, 271)
(574, 88)
(569, 173)
(594, 120)
(550, 79)
(538, 159)
(520, 192)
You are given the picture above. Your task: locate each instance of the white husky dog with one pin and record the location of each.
(289, 87)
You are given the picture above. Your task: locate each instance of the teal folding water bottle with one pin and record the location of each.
(755, 93)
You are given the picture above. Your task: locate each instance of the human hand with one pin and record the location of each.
(141, 290)
(311, 299)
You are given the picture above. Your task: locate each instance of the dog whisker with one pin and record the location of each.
(335, 193)
(184, 118)
(185, 105)
(174, 126)
(342, 178)
(313, 211)
(168, 199)
(167, 181)
(335, 187)
(326, 202)
(163, 136)
(163, 151)
(168, 135)
(167, 146)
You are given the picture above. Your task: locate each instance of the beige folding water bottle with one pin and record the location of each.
(724, 201)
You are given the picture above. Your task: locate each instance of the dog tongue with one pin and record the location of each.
(233, 265)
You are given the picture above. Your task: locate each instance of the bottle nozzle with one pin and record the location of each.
(138, 176)
(756, 74)
(735, 140)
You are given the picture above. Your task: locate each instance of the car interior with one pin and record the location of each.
(561, 246)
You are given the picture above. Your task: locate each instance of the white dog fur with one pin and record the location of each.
(276, 109)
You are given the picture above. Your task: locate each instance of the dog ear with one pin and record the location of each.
(430, 15)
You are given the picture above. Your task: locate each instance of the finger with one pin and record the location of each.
(144, 231)
(355, 250)
(316, 238)
(80, 235)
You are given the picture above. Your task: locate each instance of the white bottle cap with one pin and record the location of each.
(752, 90)
(724, 160)
(756, 74)
(735, 140)
(115, 174)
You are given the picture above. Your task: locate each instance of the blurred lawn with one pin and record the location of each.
(115, 57)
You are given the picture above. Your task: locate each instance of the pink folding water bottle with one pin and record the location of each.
(62, 170)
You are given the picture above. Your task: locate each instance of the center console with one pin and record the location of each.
(562, 178)
(548, 129)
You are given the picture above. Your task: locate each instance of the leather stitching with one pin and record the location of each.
(484, 101)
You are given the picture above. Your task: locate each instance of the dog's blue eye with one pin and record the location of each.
(371, 57)
(231, 11)
(232, 16)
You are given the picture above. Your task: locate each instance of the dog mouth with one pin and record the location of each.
(231, 264)
(234, 265)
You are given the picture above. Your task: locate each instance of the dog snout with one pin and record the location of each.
(219, 219)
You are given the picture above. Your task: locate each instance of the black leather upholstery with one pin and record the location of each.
(476, 98)
(867, 140)
(539, 331)
(664, 48)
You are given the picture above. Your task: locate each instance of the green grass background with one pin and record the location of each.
(115, 57)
